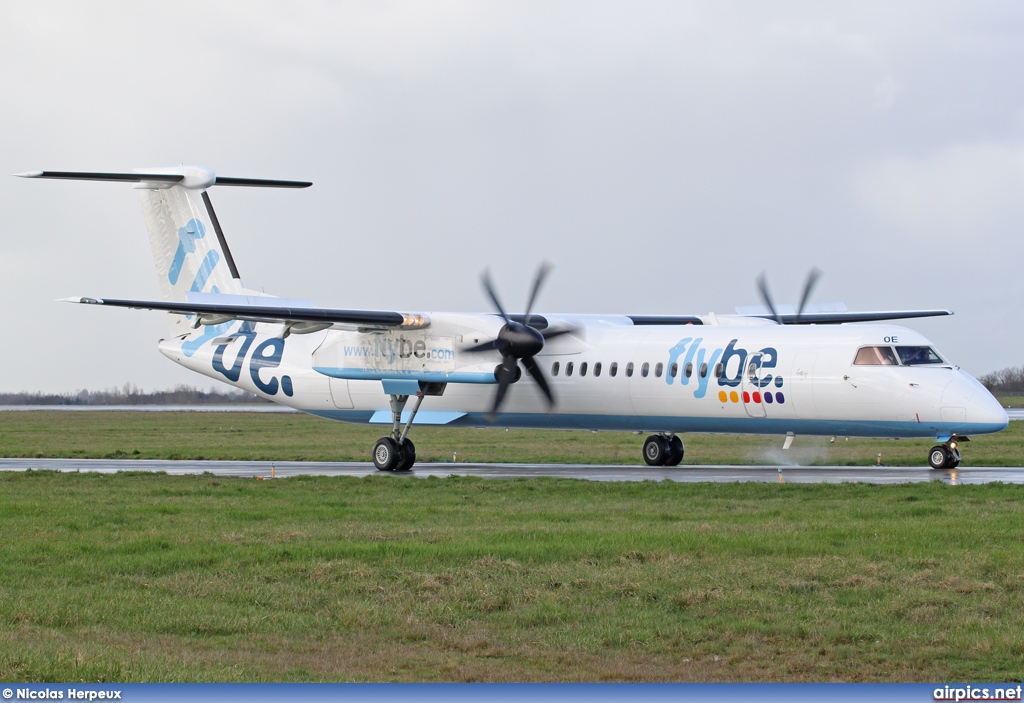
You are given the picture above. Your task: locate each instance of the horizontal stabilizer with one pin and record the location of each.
(124, 177)
(217, 313)
(185, 176)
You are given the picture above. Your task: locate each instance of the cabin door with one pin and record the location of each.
(753, 401)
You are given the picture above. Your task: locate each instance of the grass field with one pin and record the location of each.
(281, 437)
(143, 577)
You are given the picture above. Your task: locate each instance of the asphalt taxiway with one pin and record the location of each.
(587, 472)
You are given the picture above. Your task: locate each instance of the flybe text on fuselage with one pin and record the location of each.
(698, 363)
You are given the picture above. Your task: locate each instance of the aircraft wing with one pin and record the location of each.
(838, 318)
(217, 313)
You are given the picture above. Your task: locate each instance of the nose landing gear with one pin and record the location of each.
(663, 450)
(946, 456)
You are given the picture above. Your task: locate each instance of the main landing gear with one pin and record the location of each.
(396, 452)
(663, 450)
(946, 456)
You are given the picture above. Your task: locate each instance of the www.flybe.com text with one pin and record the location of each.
(390, 348)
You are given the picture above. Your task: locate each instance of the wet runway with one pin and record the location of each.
(715, 474)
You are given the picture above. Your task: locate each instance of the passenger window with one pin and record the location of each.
(613, 369)
(597, 369)
(719, 368)
(658, 369)
(688, 371)
(583, 369)
(673, 370)
(917, 356)
(703, 370)
(645, 369)
(875, 356)
(554, 369)
(752, 372)
(629, 369)
(568, 369)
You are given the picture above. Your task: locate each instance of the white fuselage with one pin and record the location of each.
(758, 378)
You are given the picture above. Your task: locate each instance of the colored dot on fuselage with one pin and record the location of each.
(768, 397)
(779, 398)
(734, 397)
(722, 397)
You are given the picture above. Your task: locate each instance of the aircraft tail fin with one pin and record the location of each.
(189, 248)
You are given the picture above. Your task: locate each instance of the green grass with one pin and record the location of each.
(252, 436)
(145, 577)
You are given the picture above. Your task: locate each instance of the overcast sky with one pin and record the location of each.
(660, 154)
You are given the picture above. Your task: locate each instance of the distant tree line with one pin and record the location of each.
(129, 394)
(1009, 381)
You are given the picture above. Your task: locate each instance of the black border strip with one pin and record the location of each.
(665, 320)
(220, 236)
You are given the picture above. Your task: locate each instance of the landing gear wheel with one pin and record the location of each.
(387, 455)
(675, 453)
(941, 457)
(656, 450)
(408, 455)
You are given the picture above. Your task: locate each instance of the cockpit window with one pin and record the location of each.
(875, 356)
(916, 356)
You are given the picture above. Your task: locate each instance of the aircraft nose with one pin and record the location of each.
(983, 410)
(986, 410)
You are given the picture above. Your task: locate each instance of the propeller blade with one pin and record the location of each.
(812, 279)
(542, 273)
(485, 278)
(506, 373)
(538, 376)
(762, 287)
(499, 397)
(485, 347)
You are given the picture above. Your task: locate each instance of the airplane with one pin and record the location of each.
(767, 372)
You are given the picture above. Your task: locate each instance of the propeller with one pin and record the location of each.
(812, 280)
(518, 341)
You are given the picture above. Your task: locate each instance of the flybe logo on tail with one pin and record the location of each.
(690, 361)
(193, 231)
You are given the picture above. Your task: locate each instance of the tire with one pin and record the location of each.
(656, 450)
(675, 451)
(939, 457)
(954, 459)
(408, 455)
(387, 455)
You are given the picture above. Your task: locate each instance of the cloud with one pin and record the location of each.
(963, 193)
